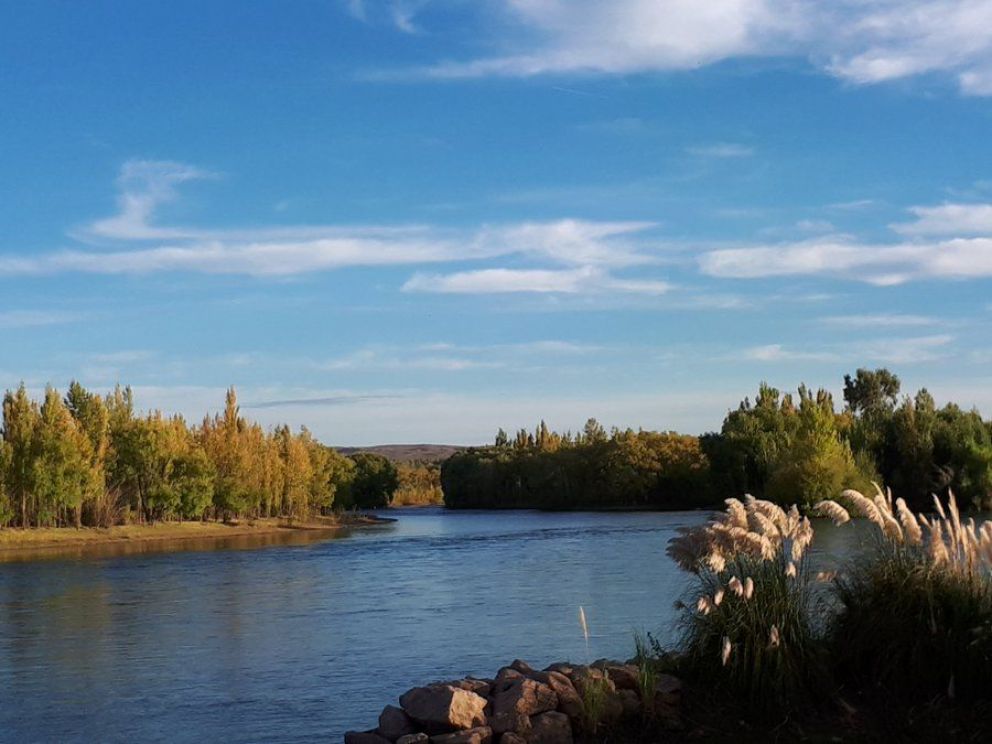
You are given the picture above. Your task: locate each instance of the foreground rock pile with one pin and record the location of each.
(524, 706)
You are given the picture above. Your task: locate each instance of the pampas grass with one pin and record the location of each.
(746, 625)
(915, 613)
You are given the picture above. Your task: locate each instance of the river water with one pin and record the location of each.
(299, 642)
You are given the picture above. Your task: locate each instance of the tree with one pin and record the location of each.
(63, 472)
(871, 391)
(20, 419)
(817, 464)
(375, 481)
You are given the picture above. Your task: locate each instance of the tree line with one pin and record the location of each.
(86, 459)
(790, 448)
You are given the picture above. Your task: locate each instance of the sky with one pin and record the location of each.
(421, 220)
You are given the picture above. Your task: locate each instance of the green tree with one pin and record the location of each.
(375, 480)
(64, 475)
(20, 419)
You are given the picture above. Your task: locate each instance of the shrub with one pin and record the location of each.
(748, 626)
(915, 615)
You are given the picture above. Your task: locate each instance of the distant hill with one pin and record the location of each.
(406, 452)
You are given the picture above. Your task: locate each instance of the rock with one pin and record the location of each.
(480, 735)
(631, 703)
(394, 723)
(583, 676)
(413, 739)
(513, 706)
(512, 738)
(667, 689)
(569, 701)
(364, 737)
(565, 669)
(522, 666)
(505, 677)
(444, 708)
(479, 686)
(625, 676)
(550, 728)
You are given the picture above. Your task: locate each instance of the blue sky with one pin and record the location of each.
(421, 220)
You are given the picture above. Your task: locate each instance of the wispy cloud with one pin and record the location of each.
(34, 318)
(861, 42)
(577, 254)
(334, 400)
(878, 264)
(500, 281)
(904, 351)
(721, 150)
(881, 320)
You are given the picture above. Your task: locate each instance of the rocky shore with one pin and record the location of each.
(561, 704)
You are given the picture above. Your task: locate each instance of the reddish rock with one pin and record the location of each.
(394, 723)
(513, 706)
(480, 735)
(443, 707)
(413, 739)
(505, 678)
(550, 728)
(569, 701)
(522, 666)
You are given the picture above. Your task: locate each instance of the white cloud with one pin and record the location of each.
(949, 219)
(878, 264)
(497, 281)
(587, 248)
(144, 186)
(856, 40)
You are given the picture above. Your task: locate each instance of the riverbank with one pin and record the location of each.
(17, 540)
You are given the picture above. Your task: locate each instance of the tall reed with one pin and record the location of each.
(747, 625)
(915, 617)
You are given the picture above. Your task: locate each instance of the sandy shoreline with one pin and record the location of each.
(45, 538)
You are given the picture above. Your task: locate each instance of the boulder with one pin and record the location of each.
(513, 706)
(565, 669)
(624, 676)
(522, 666)
(442, 708)
(583, 677)
(569, 701)
(413, 739)
(512, 738)
(394, 723)
(364, 737)
(479, 735)
(505, 677)
(550, 728)
(479, 686)
(667, 689)
(631, 703)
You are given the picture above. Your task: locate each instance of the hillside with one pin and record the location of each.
(407, 452)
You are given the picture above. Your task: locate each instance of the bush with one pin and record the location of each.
(747, 628)
(915, 615)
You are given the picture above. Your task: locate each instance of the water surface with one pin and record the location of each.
(300, 642)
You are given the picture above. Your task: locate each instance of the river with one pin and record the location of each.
(299, 642)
